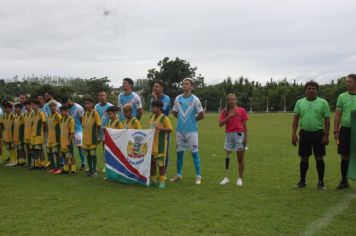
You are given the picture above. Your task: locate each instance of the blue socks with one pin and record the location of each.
(81, 155)
(180, 162)
(196, 161)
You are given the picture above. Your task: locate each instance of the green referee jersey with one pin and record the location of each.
(346, 103)
(312, 113)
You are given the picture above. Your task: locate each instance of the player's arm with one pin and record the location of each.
(44, 123)
(224, 118)
(244, 124)
(294, 129)
(98, 123)
(166, 127)
(337, 123)
(200, 116)
(139, 113)
(325, 140)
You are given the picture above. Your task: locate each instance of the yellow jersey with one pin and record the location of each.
(19, 129)
(67, 128)
(115, 124)
(28, 118)
(132, 124)
(91, 122)
(37, 131)
(8, 124)
(53, 121)
(159, 146)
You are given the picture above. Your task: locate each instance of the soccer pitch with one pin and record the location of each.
(37, 203)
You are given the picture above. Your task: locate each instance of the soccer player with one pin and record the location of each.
(162, 126)
(23, 98)
(346, 103)
(185, 109)
(67, 125)
(49, 97)
(1, 125)
(8, 131)
(42, 102)
(76, 111)
(130, 97)
(312, 113)
(53, 139)
(234, 118)
(114, 122)
(28, 119)
(130, 122)
(19, 130)
(37, 133)
(101, 108)
(91, 125)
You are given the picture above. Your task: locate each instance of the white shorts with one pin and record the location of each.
(78, 139)
(187, 141)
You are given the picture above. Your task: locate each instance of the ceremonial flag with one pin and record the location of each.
(128, 155)
(351, 173)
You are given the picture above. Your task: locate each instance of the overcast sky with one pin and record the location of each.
(304, 39)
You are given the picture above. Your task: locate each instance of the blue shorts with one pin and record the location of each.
(234, 141)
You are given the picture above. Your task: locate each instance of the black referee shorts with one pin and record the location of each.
(344, 141)
(311, 142)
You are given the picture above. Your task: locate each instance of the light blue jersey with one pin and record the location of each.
(166, 104)
(187, 109)
(132, 98)
(101, 109)
(47, 110)
(77, 112)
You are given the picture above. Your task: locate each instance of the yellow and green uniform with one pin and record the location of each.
(28, 119)
(159, 146)
(37, 131)
(115, 124)
(91, 122)
(67, 128)
(346, 103)
(19, 129)
(132, 124)
(53, 124)
(8, 136)
(312, 113)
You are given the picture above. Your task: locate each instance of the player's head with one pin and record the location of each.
(64, 110)
(127, 110)
(127, 84)
(311, 89)
(22, 97)
(35, 105)
(351, 82)
(52, 106)
(67, 101)
(188, 84)
(48, 95)
(18, 108)
(88, 103)
(7, 106)
(231, 100)
(112, 112)
(28, 105)
(156, 106)
(158, 87)
(41, 99)
(102, 97)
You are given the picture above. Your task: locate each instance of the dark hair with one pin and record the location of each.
(50, 92)
(157, 103)
(63, 108)
(28, 102)
(352, 76)
(128, 80)
(39, 95)
(23, 93)
(159, 82)
(6, 104)
(311, 83)
(88, 99)
(65, 99)
(18, 105)
(36, 102)
(114, 109)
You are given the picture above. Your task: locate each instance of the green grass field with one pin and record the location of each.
(37, 203)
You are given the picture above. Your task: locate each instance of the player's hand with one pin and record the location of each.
(232, 114)
(244, 142)
(295, 139)
(325, 140)
(336, 136)
(154, 96)
(159, 126)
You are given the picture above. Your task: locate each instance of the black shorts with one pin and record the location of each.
(344, 141)
(311, 142)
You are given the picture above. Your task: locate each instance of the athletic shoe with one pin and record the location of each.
(162, 185)
(7, 165)
(225, 181)
(343, 184)
(321, 185)
(89, 174)
(95, 174)
(51, 171)
(82, 167)
(176, 178)
(153, 183)
(239, 182)
(301, 185)
(64, 172)
(198, 180)
(57, 171)
(13, 164)
(73, 173)
(33, 168)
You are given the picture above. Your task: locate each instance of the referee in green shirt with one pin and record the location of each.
(312, 113)
(346, 103)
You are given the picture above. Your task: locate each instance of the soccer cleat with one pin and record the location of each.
(343, 184)
(95, 174)
(162, 185)
(176, 178)
(321, 185)
(73, 173)
(89, 174)
(198, 180)
(239, 182)
(301, 185)
(225, 181)
(13, 164)
(82, 167)
(51, 171)
(57, 171)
